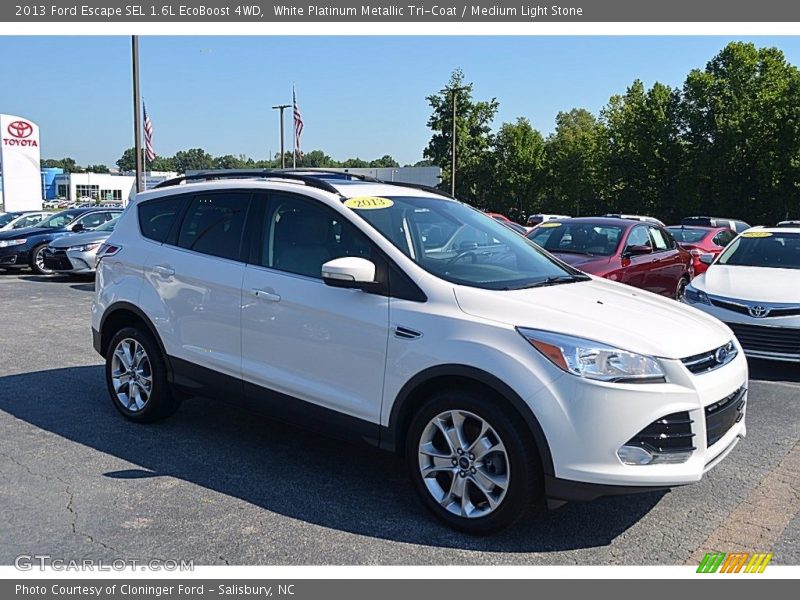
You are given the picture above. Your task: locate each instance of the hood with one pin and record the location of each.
(80, 239)
(14, 234)
(584, 262)
(603, 311)
(759, 284)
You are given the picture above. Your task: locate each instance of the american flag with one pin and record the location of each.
(148, 136)
(298, 124)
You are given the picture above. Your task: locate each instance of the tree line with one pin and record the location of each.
(726, 143)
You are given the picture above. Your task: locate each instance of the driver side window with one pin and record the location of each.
(638, 237)
(92, 220)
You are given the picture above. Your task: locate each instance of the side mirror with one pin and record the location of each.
(706, 259)
(638, 250)
(78, 227)
(349, 272)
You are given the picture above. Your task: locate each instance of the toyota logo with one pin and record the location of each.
(721, 354)
(758, 311)
(20, 129)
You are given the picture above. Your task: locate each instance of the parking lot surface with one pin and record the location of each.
(218, 485)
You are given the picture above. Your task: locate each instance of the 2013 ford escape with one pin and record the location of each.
(397, 316)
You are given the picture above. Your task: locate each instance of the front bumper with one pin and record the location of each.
(587, 422)
(771, 338)
(60, 260)
(15, 257)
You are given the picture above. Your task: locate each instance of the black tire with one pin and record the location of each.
(680, 290)
(34, 263)
(525, 488)
(161, 401)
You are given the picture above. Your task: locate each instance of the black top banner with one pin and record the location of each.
(589, 11)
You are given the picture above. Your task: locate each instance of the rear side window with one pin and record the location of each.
(214, 224)
(723, 238)
(157, 217)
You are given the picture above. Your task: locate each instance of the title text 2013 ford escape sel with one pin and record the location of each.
(411, 321)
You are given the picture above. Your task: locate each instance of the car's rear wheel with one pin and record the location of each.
(136, 376)
(680, 290)
(473, 463)
(37, 260)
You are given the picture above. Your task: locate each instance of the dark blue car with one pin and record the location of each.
(24, 248)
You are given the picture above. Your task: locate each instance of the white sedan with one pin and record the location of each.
(754, 287)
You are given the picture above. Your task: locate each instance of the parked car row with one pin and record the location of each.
(27, 247)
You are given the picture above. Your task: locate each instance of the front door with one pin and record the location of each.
(301, 338)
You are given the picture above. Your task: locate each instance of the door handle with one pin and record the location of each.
(265, 295)
(163, 271)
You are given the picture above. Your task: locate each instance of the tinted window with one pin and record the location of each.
(763, 249)
(7, 218)
(27, 221)
(688, 236)
(156, 217)
(300, 235)
(639, 237)
(577, 238)
(94, 220)
(214, 224)
(723, 238)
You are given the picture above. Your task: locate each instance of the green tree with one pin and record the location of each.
(517, 173)
(162, 163)
(643, 151)
(97, 169)
(127, 162)
(474, 138)
(195, 159)
(384, 161)
(742, 120)
(68, 164)
(355, 163)
(314, 159)
(573, 162)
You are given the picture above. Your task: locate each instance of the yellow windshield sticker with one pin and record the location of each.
(550, 224)
(368, 203)
(757, 234)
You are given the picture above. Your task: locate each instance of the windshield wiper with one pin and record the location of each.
(559, 279)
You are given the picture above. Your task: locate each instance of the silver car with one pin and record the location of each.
(75, 254)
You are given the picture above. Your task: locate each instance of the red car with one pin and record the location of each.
(701, 240)
(643, 255)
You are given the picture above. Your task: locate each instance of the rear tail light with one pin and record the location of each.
(106, 250)
(696, 252)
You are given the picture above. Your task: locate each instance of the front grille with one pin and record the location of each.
(773, 340)
(57, 260)
(713, 359)
(723, 415)
(672, 433)
(742, 309)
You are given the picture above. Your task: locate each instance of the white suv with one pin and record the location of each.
(402, 318)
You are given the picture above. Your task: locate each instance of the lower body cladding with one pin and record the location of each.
(62, 261)
(608, 439)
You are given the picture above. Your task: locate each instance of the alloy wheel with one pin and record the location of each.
(131, 375)
(464, 464)
(39, 260)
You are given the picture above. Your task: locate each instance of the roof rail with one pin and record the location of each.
(210, 175)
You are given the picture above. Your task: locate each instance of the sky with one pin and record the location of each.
(360, 96)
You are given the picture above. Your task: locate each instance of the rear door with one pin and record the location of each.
(668, 266)
(195, 279)
(300, 337)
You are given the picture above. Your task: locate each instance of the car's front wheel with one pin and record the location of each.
(680, 290)
(136, 376)
(37, 260)
(472, 462)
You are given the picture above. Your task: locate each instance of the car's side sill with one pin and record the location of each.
(201, 381)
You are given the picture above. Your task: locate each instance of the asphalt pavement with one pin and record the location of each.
(218, 485)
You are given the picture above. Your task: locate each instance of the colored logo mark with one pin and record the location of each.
(736, 562)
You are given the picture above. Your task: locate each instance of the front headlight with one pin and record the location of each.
(9, 243)
(593, 360)
(695, 296)
(84, 248)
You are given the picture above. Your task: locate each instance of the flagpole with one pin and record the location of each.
(137, 115)
(294, 129)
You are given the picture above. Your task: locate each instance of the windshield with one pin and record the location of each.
(763, 249)
(578, 237)
(460, 244)
(109, 225)
(58, 220)
(687, 236)
(7, 218)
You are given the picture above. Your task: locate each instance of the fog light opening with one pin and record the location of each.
(634, 455)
